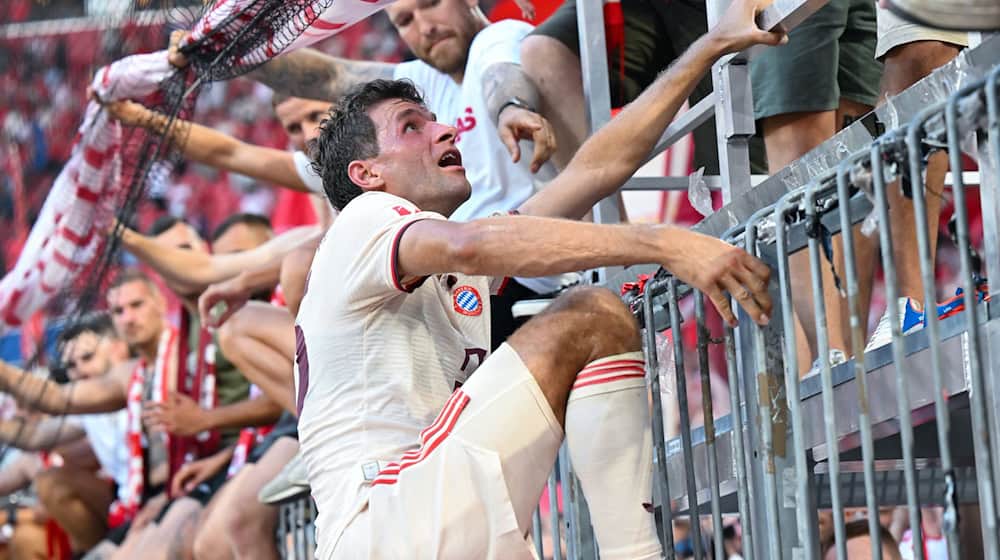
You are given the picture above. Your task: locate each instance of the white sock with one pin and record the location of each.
(611, 448)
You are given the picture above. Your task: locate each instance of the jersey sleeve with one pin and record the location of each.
(308, 175)
(375, 224)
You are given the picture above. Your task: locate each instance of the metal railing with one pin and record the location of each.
(910, 424)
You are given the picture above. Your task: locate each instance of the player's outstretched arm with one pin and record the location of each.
(39, 435)
(310, 74)
(213, 148)
(608, 158)
(528, 246)
(102, 394)
(192, 271)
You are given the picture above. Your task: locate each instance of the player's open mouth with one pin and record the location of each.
(451, 158)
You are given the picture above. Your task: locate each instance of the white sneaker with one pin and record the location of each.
(290, 483)
(836, 357)
(910, 315)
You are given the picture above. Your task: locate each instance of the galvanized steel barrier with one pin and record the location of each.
(909, 425)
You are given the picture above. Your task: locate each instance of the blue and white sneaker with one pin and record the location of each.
(911, 316)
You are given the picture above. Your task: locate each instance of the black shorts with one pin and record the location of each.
(502, 321)
(202, 493)
(118, 534)
(657, 32)
(286, 426)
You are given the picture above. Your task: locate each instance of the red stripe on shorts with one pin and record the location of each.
(430, 439)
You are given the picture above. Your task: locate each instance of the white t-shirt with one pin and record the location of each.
(498, 185)
(312, 180)
(377, 356)
(106, 433)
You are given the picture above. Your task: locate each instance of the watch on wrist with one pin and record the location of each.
(516, 102)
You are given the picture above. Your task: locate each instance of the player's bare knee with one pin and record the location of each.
(607, 321)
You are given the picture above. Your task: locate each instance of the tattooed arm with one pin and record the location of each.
(309, 74)
(512, 101)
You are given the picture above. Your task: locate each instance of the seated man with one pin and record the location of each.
(78, 499)
(395, 319)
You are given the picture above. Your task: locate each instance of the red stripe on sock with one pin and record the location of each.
(613, 363)
(580, 385)
(591, 374)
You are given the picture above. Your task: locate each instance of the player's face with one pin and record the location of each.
(137, 311)
(438, 32)
(239, 238)
(301, 119)
(182, 236)
(87, 356)
(417, 157)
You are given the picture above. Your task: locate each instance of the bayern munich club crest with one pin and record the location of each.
(467, 301)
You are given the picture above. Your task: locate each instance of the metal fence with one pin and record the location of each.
(911, 424)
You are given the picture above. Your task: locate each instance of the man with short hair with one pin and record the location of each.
(137, 310)
(470, 73)
(78, 499)
(395, 320)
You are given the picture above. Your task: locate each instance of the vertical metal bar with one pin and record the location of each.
(536, 532)
(554, 517)
(766, 412)
(988, 149)
(823, 347)
(704, 338)
(682, 408)
(898, 357)
(981, 440)
(807, 531)
(990, 194)
(300, 544)
(858, 335)
(915, 156)
(283, 530)
(661, 483)
(569, 503)
(739, 450)
(597, 93)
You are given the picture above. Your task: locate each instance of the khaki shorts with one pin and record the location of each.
(471, 488)
(894, 31)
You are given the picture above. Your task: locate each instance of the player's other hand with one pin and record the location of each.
(517, 123)
(716, 268)
(737, 30)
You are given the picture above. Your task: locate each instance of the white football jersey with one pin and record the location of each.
(377, 356)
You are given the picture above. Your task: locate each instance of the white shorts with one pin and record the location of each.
(471, 489)
(894, 31)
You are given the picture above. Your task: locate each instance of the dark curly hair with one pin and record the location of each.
(349, 134)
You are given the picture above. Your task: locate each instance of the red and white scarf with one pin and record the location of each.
(68, 234)
(164, 371)
(202, 388)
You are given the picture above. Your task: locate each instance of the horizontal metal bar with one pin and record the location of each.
(970, 64)
(684, 124)
(713, 182)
